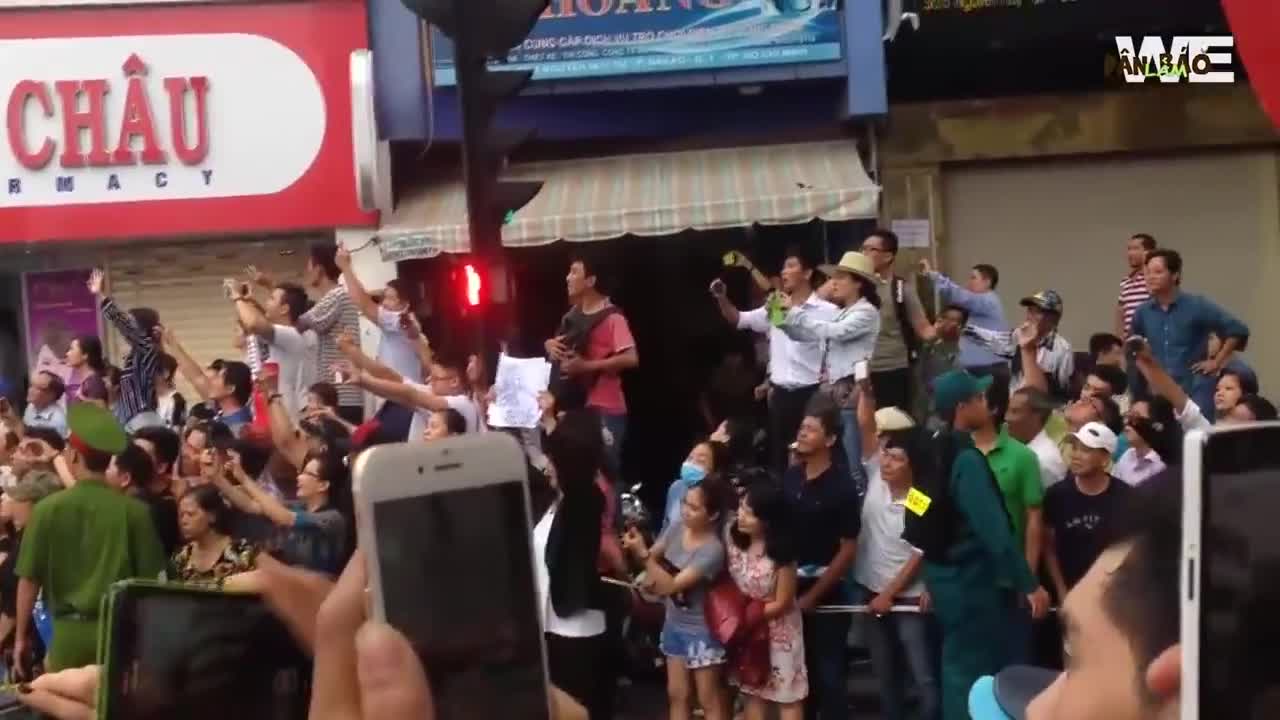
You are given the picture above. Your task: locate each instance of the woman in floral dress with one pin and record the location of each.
(211, 555)
(762, 564)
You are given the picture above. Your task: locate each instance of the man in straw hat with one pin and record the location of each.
(80, 541)
(849, 338)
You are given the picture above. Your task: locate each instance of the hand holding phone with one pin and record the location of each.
(482, 640)
(718, 288)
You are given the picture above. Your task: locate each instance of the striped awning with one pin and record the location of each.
(650, 194)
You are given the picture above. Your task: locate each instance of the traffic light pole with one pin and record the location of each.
(480, 30)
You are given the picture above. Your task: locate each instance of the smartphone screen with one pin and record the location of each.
(176, 653)
(457, 579)
(1240, 575)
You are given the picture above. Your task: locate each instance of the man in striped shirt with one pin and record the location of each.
(333, 315)
(1133, 289)
(140, 327)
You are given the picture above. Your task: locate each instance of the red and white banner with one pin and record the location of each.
(177, 120)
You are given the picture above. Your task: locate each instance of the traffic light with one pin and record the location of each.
(482, 30)
(472, 285)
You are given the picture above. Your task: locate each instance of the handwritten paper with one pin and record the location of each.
(515, 389)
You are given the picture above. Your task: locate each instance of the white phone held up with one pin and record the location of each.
(1231, 492)
(860, 371)
(446, 530)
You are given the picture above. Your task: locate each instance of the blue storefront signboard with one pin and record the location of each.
(602, 38)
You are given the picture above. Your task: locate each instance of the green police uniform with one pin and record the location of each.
(969, 602)
(80, 541)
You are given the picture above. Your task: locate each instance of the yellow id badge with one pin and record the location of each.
(917, 502)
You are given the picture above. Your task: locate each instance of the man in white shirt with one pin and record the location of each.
(43, 403)
(1029, 411)
(795, 366)
(391, 314)
(293, 351)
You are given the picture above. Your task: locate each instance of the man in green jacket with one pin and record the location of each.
(965, 581)
(80, 541)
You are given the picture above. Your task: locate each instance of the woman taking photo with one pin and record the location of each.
(210, 555)
(316, 530)
(762, 564)
(567, 542)
(680, 567)
(850, 339)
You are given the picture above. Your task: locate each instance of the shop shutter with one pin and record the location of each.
(183, 282)
(1063, 225)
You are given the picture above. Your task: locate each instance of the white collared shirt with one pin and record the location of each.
(792, 363)
(850, 336)
(1052, 467)
(583, 624)
(1135, 468)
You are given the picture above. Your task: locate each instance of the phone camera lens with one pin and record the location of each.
(419, 469)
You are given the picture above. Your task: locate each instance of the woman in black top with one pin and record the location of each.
(567, 540)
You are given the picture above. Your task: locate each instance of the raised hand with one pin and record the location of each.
(97, 282)
(343, 259)
(260, 277)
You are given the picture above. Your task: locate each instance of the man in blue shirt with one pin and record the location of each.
(43, 403)
(1177, 326)
(979, 298)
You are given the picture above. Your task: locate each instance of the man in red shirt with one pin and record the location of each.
(591, 350)
(1133, 289)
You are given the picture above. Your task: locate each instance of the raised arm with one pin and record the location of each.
(253, 320)
(352, 352)
(187, 365)
(399, 392)
(359, 295)
(867, 420)
(121, 320)
(1000, 343)
(802, 324)
(976, 303)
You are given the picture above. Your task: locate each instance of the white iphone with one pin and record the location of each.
(1230, 630)
(447, 535)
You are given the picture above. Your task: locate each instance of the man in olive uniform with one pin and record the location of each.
(80, 541)
(964, 579)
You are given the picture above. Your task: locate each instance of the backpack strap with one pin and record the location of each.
(909, 337)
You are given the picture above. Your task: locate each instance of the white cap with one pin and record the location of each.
(1097, 436)
(889, 419)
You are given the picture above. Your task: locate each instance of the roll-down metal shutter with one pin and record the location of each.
(183, 282)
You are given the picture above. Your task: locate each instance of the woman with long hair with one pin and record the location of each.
(680, 567)
(88, 368)
(316, 531)
(567, 544)
(850, 338)
(210, 554)
(762, 563)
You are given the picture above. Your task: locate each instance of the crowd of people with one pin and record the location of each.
(942, 483)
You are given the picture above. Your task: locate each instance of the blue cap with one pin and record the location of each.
(1007, 695)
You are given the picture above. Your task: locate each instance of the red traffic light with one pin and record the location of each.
(472, 285)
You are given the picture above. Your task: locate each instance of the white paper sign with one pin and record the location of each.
(516, 389)
(911, 233)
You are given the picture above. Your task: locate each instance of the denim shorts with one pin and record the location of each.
(697, 649)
